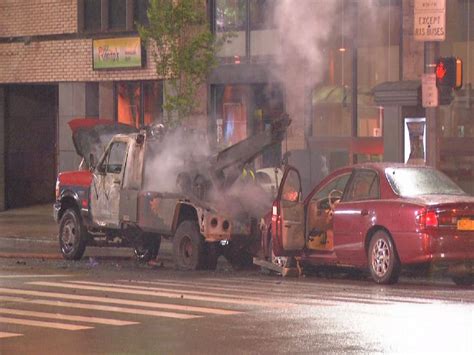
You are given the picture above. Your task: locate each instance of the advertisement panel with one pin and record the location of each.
(117, 53)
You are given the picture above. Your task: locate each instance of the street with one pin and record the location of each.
(112, 305)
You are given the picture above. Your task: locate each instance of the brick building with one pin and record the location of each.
(309, 60)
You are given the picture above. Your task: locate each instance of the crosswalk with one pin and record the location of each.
(66, 304)
(55, 303)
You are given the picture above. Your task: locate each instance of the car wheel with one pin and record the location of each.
(188, 247)
(72, 235)
(147, 247)
(464, 280)
(384, 264)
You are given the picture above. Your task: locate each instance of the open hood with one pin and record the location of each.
(91, 136)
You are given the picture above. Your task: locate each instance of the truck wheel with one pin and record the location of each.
(383, 260)
(147, 247)
(72, 235)
(188, 247)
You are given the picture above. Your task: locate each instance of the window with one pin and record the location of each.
(140, 8)
(122, 15)
(230, 15)
(117, 14)
(92, 15)
(291, 187)
(262, 14)
(338, 183)
(139, 103)
(364, 186)
(116, 157)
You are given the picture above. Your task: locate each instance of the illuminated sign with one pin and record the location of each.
(117, 53)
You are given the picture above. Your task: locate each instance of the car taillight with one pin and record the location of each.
(427, 219)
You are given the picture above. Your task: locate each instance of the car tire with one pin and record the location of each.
(384, 265)
(464, 280)
(72, 235)
(147, 247)
(188, 247)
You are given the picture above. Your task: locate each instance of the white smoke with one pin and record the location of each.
(170, 154)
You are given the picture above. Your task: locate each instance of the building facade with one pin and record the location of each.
(320, 62)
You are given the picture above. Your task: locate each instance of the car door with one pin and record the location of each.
(353, 216)
(288, 228)
(320, 212)
(106, 185)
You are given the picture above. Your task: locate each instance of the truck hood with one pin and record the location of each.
(91, 136)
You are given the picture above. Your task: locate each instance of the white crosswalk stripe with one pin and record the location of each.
(35, 323)
(69, 317)
(111, 300)
(9, 335)
(167, 294)
(88, 306)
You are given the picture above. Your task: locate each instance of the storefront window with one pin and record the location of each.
(241, 111)
(139, 103)
(378, 36)
(364, 32)
(456, 121)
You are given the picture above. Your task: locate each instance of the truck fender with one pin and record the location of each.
(182, 212)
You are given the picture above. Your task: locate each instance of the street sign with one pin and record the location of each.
(429, 91)
(430, 20)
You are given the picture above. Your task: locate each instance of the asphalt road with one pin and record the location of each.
(112, 305)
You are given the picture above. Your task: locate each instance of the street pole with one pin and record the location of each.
(432, 140)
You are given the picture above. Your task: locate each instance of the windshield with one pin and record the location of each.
(408, 181)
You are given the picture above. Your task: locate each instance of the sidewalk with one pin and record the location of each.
(35, 222)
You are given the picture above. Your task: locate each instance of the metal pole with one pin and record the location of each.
(432, 140)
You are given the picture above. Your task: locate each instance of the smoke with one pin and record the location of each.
(304, 29)
(171, 153)
(180, 161)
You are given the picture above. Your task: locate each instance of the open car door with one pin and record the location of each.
(288, 218)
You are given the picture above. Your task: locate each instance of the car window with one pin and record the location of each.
(291, 187)
(412, 181)
(339, 183)
(364, 186)
(116, 157)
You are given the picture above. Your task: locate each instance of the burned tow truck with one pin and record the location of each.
(137, 187)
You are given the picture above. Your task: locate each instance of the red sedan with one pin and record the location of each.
(377, 216)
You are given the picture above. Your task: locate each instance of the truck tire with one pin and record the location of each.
(72, 235)
(188, 247)
(147, 247)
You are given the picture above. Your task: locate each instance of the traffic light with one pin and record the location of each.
(449, 72)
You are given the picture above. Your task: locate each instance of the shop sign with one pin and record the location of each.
(429, 90)
(116, 53)
(430, 20)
